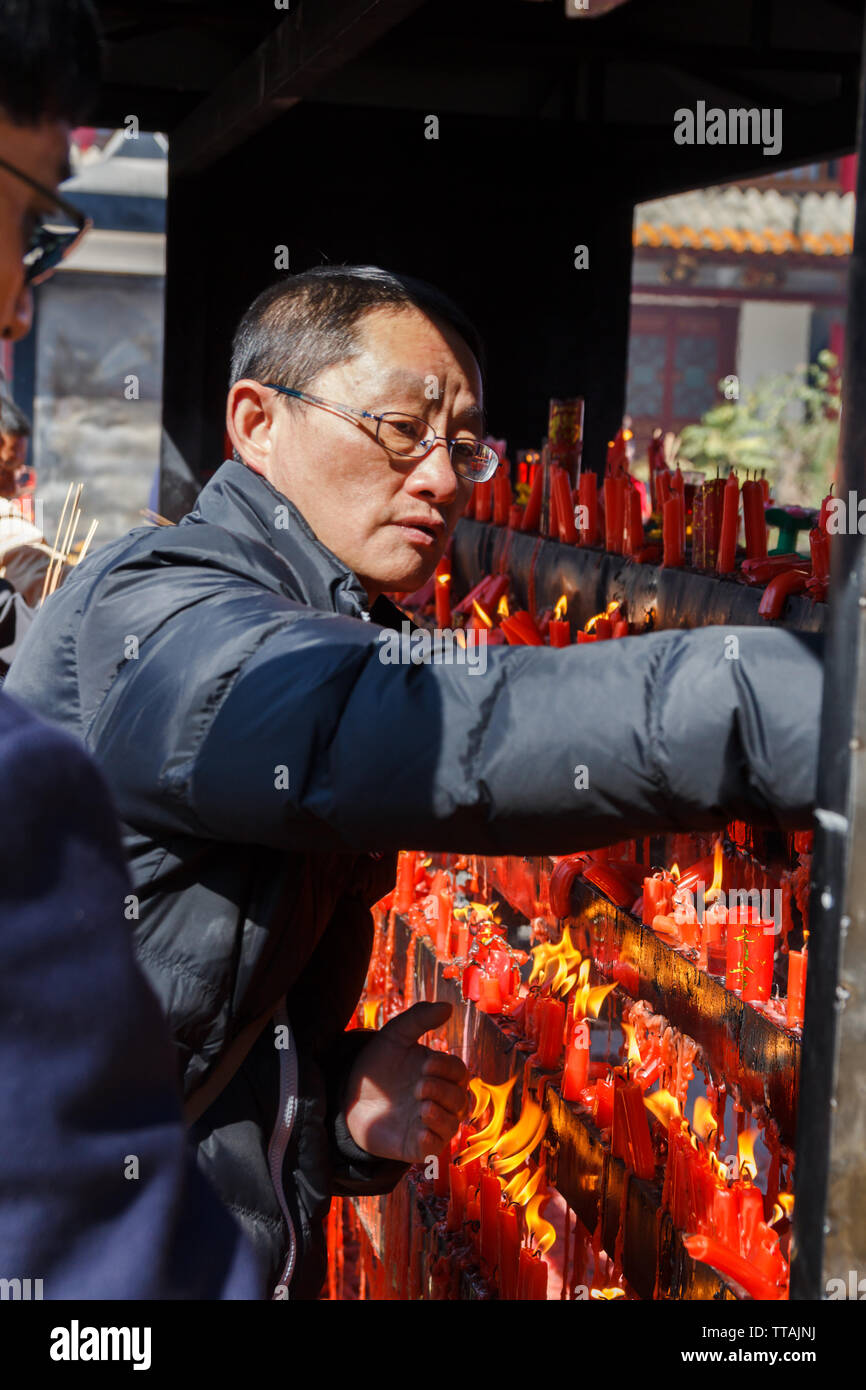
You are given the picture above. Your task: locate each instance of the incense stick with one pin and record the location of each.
(55, 545)
(88, 538)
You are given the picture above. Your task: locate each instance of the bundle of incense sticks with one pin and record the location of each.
(64, 539)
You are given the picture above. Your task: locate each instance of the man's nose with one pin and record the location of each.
(434, 474)
(20, 319)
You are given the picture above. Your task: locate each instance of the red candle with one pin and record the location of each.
(559, 633)
(560, 489)
(753, 518)
(489, 995)
(658, 897)
(750, 952)
(672, 528)
(585, 637)
(532, 513)
(587, 500)
(551, 1022)
(501, 495)
(520, 630)
(634, 521)
(712, 1252)
(532, 1276)
(483, 500)
(404, 894)
(797, 963)
(509, 1252)
(614, 513)
(726, 1216)
(751, 1216)
(819, 547)
(630, 1138)
(663, 488)
(457, 1204)
(575, 1076)
(730, 523)
(442, 590)
(604, 1092)
(491, 1195)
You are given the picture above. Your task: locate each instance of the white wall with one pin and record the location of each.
(772, 338)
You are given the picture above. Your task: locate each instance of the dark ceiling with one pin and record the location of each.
(211, 73)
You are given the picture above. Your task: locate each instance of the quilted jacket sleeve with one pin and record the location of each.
(318, 742)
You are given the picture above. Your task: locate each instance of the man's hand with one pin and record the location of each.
(405, 1101)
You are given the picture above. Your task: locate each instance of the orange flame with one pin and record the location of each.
(502, 609)
(541, 1233)
(783, 1208)
(675, 871)
(482, 1142)
(485, 617)
(517, 1144)
(443, 579)
(664, 1106)
(596, 998)
(746, 1153)
(370, 1012)
(524, 1185)
(715, 887)
(552, 964)
(607, 1293)
(559, 610)
(703, 1119)
(634, 1057)
(480, 1096)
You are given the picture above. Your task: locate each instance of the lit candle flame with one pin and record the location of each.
(559, 610)
(746, 1153)
(703, 1119)
(541, 1233)
(502, 609)
(486, 1138)
(664, 1105)
(485, 617)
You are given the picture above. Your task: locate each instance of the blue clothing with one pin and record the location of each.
(99, 1193)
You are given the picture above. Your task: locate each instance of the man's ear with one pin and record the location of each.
(250, 423)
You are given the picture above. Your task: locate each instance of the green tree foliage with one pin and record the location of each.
(787, 426)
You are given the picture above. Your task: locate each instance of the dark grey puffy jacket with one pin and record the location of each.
(207, 665)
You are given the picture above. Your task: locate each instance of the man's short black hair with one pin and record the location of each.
(50, 60)
(309, 322)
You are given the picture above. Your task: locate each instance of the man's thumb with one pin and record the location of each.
(413, 1023)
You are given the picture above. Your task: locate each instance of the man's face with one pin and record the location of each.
(42, 152)
(360, 501)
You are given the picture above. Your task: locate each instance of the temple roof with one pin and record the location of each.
(761, 221)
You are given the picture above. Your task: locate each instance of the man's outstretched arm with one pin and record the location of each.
(319, 743)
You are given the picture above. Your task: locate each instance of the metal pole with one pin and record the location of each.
(830, 1178)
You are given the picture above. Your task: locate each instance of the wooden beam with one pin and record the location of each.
(301, 50)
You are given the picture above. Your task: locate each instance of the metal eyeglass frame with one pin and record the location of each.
(425, 445)
(52, 246)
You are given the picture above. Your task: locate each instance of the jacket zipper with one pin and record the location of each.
(282, 1133)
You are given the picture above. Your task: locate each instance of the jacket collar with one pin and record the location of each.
(246, 503)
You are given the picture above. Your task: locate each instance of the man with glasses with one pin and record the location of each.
(99, 1197)
(267, 763)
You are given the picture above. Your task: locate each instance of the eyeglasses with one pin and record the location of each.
(50, 243)
(407, 436)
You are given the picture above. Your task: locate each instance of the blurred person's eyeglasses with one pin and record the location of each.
(50, 241)
(407, 436)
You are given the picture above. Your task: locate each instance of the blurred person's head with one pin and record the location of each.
(14, 437)
(363, 338)
(49, 72)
